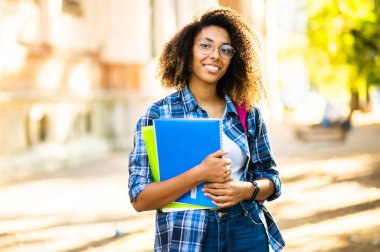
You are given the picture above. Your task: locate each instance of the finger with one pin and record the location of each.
(215, 192)
(228, 161)
(227, 172)
(218, 198)
(228, 168)
(227, 177)
(219, 153)
(222, 201)
(222, 204)
(215, 185)
(228, 180)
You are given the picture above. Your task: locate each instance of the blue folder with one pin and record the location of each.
(181, 145)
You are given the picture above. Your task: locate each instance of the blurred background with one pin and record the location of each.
(75, 75)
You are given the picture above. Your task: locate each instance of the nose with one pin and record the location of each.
(215, 54)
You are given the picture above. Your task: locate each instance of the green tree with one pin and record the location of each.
(344, 56)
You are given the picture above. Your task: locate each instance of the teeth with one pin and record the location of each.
(212, 68)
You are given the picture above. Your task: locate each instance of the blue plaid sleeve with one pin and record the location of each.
(139, 171)
(262, 163)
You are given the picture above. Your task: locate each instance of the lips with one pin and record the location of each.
(211, 68)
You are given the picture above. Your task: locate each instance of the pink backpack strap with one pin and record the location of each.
(242, 113)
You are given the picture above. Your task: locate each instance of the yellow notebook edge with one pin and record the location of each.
(150, 145)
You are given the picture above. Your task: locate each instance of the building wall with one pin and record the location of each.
(55, 110)
(76, 75)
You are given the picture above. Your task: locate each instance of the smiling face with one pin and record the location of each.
(209, 68)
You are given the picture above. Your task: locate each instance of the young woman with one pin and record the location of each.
(213, 63)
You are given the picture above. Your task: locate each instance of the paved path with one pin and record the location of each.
(330, 201)
(72, 210)
(331, 191)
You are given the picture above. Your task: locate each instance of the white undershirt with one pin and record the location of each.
(237, 156)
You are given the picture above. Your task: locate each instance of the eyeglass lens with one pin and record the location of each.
(207, 47)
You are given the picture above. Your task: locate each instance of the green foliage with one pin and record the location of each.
(344, 37)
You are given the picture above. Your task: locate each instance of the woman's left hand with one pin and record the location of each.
(227, 194)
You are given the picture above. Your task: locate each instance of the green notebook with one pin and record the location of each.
(150, 144)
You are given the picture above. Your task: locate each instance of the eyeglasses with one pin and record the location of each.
(207, 47)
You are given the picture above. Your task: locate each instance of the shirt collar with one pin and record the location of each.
(230, 107)
(191, 104)
(188, 99)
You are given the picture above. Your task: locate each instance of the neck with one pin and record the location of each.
(207, 97)
(204, 94)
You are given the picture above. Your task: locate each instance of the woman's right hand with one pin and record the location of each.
(215, 168)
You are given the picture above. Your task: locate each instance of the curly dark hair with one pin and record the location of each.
(242, 82)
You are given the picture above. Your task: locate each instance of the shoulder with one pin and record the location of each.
(255, 114)
(255, 119)
(160, 109)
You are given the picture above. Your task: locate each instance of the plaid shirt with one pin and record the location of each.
(184, 230)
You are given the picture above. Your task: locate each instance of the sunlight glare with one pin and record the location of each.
(12, 58)
(51, 74)
(79, 80)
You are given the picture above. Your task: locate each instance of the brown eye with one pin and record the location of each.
(227, 51)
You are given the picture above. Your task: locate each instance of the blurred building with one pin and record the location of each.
(76, 74)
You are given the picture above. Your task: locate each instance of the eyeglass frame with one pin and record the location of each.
(213, 48)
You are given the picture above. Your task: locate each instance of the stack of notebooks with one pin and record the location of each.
(177, 145)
